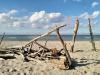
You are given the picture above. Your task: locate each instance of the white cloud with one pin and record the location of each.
(12, 12)
(42, 19)
(95, 14)
(4, 17)
(38, 20)
(16, 24)
(8, 20)
(95, 4)
(84, 19)
(86, 15)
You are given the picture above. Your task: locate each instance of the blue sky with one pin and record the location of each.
(37, 16)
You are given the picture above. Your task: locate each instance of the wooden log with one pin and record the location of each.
(7, 56)
(2, 38)
(3, 51)
(91, 35)
(36, 53)
(43, 49)
(42, 46)
(45, 34)
(68, 58)
(74, 35)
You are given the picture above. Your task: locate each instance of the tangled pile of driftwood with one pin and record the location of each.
(43, 52)
(46, 53)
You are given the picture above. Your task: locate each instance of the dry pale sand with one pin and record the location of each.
(87, 61)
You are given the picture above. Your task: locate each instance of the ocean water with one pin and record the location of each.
(51, 37)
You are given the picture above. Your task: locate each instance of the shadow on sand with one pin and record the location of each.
(83, 62)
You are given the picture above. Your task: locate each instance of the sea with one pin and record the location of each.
(48, 38)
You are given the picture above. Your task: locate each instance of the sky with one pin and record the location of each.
(39, 16)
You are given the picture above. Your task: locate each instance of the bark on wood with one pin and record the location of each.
(68, 58)
(74, 35)
(2, 38)
(91, 35)
(45, 34)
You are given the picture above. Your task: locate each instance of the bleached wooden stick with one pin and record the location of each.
(74, 35)
(45, 34)
(68, 58)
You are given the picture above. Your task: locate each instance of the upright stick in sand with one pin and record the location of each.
(2, 38)
(74, 35)
(91, 34)
(68, 62)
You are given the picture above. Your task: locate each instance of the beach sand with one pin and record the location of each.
(87, 61)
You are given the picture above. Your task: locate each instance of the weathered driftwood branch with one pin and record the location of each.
(2, 38)
(41, 46)
(74, 35)
(91, 34)
(45, 34)
(3, 51)
(31, 45)
(36, 53)
(7, 56)
(68, 58)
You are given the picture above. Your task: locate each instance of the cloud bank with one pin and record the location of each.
(86, 15)
(40, 19)
(43, 19)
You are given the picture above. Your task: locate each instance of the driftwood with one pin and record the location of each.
(57, 27)
(37, 38)
(4, 51)
(68, 58)
(10, 50)
(74, 35)
(41, 46)
(46, 53)
(7, 56)
(2, 38)
(91, 34)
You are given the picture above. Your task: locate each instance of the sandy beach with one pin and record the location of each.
(87, 61)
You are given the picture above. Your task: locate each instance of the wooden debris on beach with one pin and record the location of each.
(91, 35)
(7, 56)
(48, 33)
(68, 58)
(74, 35)
(45, 53)
(9, 53)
